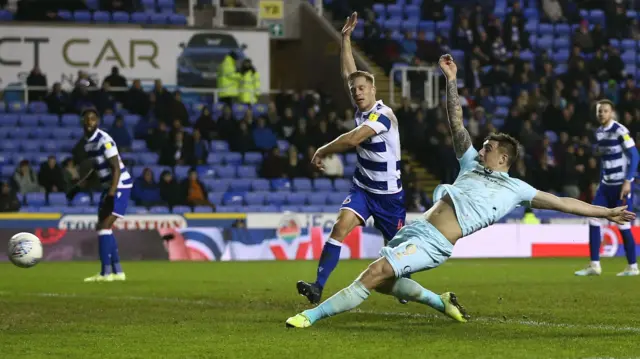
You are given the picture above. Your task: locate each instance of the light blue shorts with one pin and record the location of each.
(416, 247)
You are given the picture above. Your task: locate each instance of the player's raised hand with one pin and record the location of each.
(350, 24)
(620, 215)
(448, 66)
(317, 160)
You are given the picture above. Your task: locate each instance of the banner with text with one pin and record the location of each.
(186, 58)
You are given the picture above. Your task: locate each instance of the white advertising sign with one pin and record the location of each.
(186, 58)
(130, 222)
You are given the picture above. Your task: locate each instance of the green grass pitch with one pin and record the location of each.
(521, 308)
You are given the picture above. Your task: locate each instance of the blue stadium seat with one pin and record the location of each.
(49, 120)
(296, 198)
(232, 158)
(30, 146)
(9, 145)
(290, 208)
(219, 146)
(177, 19)
(57, 199)
(136, 171)
(82, 16)
(531, 26)
(181, 172)
(9, 120)
(317, 198)
(247, 172)
(180, 209)
(139, 18)
(215, 197)
(255, 198)
(273, 198)
(35, 199)
(3, 107)
(159, 210)
(50, 146)
(120, 17)
(101, 17)
(628, 45)
(214, 158)
(252, 158)
(301, 184)
(336, 198)
(138, 145)
(81, 200)
(92, 4)
(628, 57)
(6, 15)
(563, 30)
(394, 10)
(131, 120)
(233, 198)
(380, 10)
(38, 107)
(7, 172)
(392, 24)
(342, 185)
(148, 158)
(503, 101)
(443, 27)
(280, 184)
(138, 210)
(29, 120)
(166, 4)
(70, 120)
(202, 209)
(240, 185)
(260, 109)
(311, 209)
(561, 43)
(260, 184)
(108, 120)
(596, 16)
(427, 26)
(225, 171)
(322, 184)
(17, 107)
(409, 25)
(229, 209)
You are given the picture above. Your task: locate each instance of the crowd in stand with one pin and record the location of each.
(552, 112)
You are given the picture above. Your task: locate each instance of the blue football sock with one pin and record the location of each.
(629, 245)
(115, 257)
(594, 242)
(104, 246)
(345, 300)
(328, 261)
(412, 291)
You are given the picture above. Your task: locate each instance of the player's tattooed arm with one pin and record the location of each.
(461, 138)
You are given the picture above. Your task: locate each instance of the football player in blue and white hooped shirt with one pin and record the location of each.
(117, 184)
(619, 163)
(377, 189)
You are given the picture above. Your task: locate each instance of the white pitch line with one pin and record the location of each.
(489, 320)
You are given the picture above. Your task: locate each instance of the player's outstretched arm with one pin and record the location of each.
(544, 200)
(347, 63)
(460, 135)
(343, 143)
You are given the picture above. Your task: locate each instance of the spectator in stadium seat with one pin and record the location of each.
(333, 166)
(70, 174)
(178, 152)
(8, 199)
(120, 134)
(618, 23)
(242, 141)
(50, 176)
(119, 82)
(146, 191)
(57, 100)
(433, 10)
(227, 125)
(571, 172)
(409, 46)
(157, 136)
(200, 148)
(163, 101)
(474, 78)
(346, 123)
(294, 166)
(37, 79)
(582, 37)
(553, 11)
(206, 125)
(137, 101)
(195, 191)
(80, 98)
(104, 100)
(177, 110)
(170, 190)
(529, 138)
(544, 175)
(273, 165)
(25, 178)
(614, 64)
(264, 137)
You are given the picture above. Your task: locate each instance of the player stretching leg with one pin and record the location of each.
(481, 195)
(377, 189)
(114, 177)
(619, 162)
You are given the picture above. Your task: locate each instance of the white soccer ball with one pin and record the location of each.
(25, 250)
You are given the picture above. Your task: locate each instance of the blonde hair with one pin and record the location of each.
(367, 75)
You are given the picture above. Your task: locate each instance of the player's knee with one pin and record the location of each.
(377, 273)
(345, 223)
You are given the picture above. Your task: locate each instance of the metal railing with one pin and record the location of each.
(431, 84)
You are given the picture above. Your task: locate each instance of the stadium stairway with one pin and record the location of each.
(426, 181)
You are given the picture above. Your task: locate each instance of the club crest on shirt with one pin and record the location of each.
(347, 200)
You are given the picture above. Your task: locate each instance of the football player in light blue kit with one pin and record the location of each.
(481, 195)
